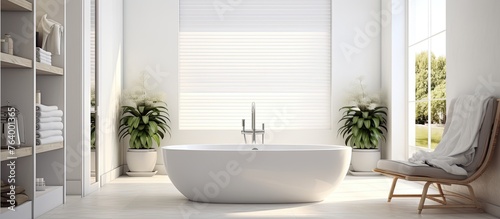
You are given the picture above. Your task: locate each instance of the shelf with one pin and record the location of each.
(44, 69)
(48, 190)
(20, 152)
(22, 211)
(11, 61)
(49, 147)
(48, 199)
(16, 5)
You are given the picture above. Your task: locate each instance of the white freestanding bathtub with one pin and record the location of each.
(271, 174)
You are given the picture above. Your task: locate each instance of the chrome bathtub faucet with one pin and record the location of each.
(254, 132)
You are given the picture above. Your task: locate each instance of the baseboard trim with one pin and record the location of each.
(491, 209)
(111, 175)
(158, 167)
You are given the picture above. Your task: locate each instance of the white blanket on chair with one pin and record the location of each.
(458, 145)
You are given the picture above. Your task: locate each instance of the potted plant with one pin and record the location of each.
(363, 123)
(92, 131)
(92, 143)
(145, 119)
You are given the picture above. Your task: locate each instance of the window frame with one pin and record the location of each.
(413, 100)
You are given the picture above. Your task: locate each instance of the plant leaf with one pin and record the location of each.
(136, 122)
(130, 121)
(143, 140)
(367, 124)
(157, 139)
(355, 130)
(149, 142)
(360, 122)
(376, 122)
(153, 126)
(355, 119)
(365, 114)
(145, 119)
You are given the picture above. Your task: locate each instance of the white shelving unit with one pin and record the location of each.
(11, 61)
(16, 5)
(25, 151)
(21, 76)
(44, 69)
(49, 147)
(22, 211)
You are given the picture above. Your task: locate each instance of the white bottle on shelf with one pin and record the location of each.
(38, 97)
(10, 44)
(5, 46)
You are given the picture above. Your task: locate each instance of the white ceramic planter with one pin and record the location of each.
(365, 160)
(92, 162)
(141, 160)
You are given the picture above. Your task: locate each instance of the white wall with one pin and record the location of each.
(473, 65)
(109, 88)
(151, 45)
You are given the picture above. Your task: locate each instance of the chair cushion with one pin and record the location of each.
(407, 168)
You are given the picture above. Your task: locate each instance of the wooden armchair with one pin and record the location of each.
(488, 140)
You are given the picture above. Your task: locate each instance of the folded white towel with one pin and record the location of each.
(44, 62)
(43, 108)
(48, 119)
(48, 133)
(41, 55)
(43, 59)
(40, 50)
(49, 126)
(49, 140)
(55, 113)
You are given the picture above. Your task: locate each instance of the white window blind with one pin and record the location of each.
(274, 53)
(92, 42)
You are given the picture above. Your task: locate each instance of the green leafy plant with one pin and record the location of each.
(362, 128)
(364, 119)
(92, 117)
(144, 116)
(144, 123)
(92, 130)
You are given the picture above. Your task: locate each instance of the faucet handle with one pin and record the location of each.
(243, 124)
(263, 131)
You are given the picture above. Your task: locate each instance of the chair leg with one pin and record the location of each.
(424, 196)
(391, 192)
(441, 193)
(473, 196)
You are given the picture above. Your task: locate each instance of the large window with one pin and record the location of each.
(273, 53)
(426, 73)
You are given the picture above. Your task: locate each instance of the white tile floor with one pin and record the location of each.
(156, 197)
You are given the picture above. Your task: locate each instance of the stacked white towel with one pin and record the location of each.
(43, 56)
(49, 124)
